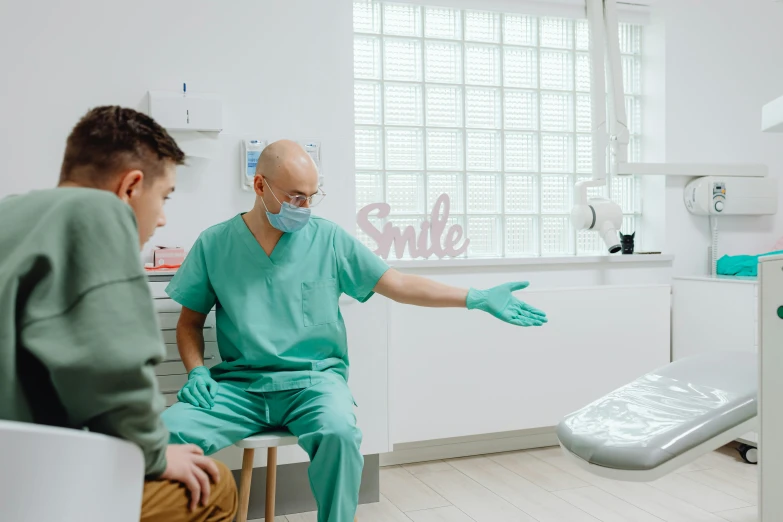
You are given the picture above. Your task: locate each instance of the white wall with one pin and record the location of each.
(722, 64)
(282, 69)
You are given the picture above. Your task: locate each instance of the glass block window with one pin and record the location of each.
(492, 109)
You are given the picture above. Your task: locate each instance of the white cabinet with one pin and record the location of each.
(369, 371)
(458, 373)
(171, 372)
(711, 314)
(771, 388)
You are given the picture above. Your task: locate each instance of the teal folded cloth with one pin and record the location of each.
(742, 265)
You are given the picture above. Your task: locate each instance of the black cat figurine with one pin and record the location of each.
(627, 242)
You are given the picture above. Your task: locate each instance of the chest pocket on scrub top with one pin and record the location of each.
(319, 302)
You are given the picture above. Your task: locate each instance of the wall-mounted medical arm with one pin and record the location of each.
(595, 20)
(599, 214)
(617, 118)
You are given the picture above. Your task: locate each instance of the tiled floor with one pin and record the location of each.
(542, 486)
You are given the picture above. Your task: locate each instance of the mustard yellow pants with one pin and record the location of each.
(167, 501)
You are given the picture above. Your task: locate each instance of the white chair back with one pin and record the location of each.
(66, 475)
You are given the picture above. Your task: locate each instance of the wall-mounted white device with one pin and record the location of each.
(180, 111)
(772, 116)
(313, 148)
(713, 195)
(250, 151)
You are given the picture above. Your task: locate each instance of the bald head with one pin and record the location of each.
(286, 158)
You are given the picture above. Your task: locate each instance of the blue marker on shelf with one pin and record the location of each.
(184, 89)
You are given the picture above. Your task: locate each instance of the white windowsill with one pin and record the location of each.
(534, 261)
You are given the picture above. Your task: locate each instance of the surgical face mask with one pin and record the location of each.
(290, 218)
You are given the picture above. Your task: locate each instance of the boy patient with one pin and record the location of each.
(78, 335)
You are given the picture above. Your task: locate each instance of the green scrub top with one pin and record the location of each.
(278, 320)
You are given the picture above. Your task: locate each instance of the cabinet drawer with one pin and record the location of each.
(175, 367)
(166, 304)
(158, 289)
(171, 368)
(168, 320)
(170, 398)
(170, 336)
(172, 383)
(172, 353)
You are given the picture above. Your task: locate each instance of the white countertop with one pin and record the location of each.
(720, 279)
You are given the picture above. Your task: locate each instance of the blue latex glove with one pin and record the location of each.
(200, 390)
(500, 302)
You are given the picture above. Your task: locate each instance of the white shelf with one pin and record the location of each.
(694, 170)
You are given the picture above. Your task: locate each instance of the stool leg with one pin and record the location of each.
(244, 484)
(271, 483)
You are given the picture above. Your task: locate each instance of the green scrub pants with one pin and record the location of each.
(321, 416)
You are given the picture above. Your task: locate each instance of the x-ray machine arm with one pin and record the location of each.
(602, 214)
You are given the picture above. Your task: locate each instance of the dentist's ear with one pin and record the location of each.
(258, 185)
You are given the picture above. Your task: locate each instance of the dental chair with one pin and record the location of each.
(666, 418)
(52, 474)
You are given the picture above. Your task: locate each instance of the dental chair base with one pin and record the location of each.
(749, 454)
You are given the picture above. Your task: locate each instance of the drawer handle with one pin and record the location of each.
(211, 357)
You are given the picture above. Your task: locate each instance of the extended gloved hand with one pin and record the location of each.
(200, 390)
(500, 302)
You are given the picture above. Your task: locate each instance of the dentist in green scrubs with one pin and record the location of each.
(274, 276)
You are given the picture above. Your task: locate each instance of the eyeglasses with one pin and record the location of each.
(299, 200)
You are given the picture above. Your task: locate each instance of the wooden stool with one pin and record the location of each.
(271, 441)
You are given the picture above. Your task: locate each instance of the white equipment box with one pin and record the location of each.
(712, 195)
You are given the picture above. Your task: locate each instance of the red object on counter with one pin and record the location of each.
(163, 256)
(162, 267)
